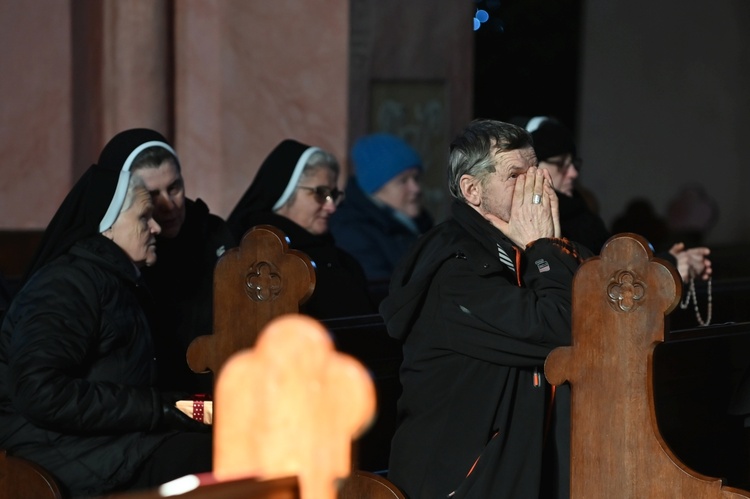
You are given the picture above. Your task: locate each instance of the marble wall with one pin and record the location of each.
(35, 111)
(226, 80)
(663, 100)
(250, 74)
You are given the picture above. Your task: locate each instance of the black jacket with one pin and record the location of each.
(578, 223)
(77, 370)
(181, 282)
(372, 233)
(475, 336)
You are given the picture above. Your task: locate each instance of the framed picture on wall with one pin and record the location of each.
(417, 112)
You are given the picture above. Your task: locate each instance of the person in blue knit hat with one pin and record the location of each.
(382, 214)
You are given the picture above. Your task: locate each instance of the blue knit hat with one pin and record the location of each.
(380, 157)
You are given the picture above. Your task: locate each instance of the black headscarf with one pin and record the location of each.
(551, 137)
(273, 184)
(92, 205)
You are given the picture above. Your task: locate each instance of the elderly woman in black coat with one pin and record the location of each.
(296, 191)
(77, 367)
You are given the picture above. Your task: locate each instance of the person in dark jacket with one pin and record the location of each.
(479, 302)
(556, 151)
(190, 243)
(77, 368)
(382, 214)
(295, 190)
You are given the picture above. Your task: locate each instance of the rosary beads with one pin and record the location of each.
(691, 296)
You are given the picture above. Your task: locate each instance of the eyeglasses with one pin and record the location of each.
(323, 194)
(563, 165)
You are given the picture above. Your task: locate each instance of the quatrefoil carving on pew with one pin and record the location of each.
(625, 291)
(263, 282)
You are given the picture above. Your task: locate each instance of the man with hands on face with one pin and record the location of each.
(478, 304)
(533, 215)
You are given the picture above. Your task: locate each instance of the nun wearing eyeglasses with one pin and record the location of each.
(77, 366)
(296, 191)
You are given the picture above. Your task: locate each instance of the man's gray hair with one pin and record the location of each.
(473, 151)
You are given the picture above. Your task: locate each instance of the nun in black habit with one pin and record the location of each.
(296, 191)
(77, 367)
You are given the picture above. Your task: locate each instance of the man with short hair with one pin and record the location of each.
(479, 302)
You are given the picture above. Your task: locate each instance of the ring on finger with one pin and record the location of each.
(536, 199)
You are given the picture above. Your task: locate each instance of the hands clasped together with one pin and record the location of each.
(529, 221)
(692, 262)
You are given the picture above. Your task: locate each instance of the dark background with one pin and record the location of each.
(527, 59)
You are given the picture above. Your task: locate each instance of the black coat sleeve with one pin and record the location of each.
(57, 334)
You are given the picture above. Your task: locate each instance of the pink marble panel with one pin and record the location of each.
(136, 66)
(199, 137)
(35, 111)
(250, 74)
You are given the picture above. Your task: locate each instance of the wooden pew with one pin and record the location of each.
(284, 278)
(22, 479)
(291, 406)
(257, 281)
(359, 485)
(617, 448)
(286, 413)
(366, 339)
(206, 487)
(696, 373)
(670, 388)
(255, 284)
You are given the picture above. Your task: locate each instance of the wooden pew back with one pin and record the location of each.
(620, 300)
(366, 339)
(291, 406)
(696, 375)
(259, 280)
(20, 479)
(195, 487)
